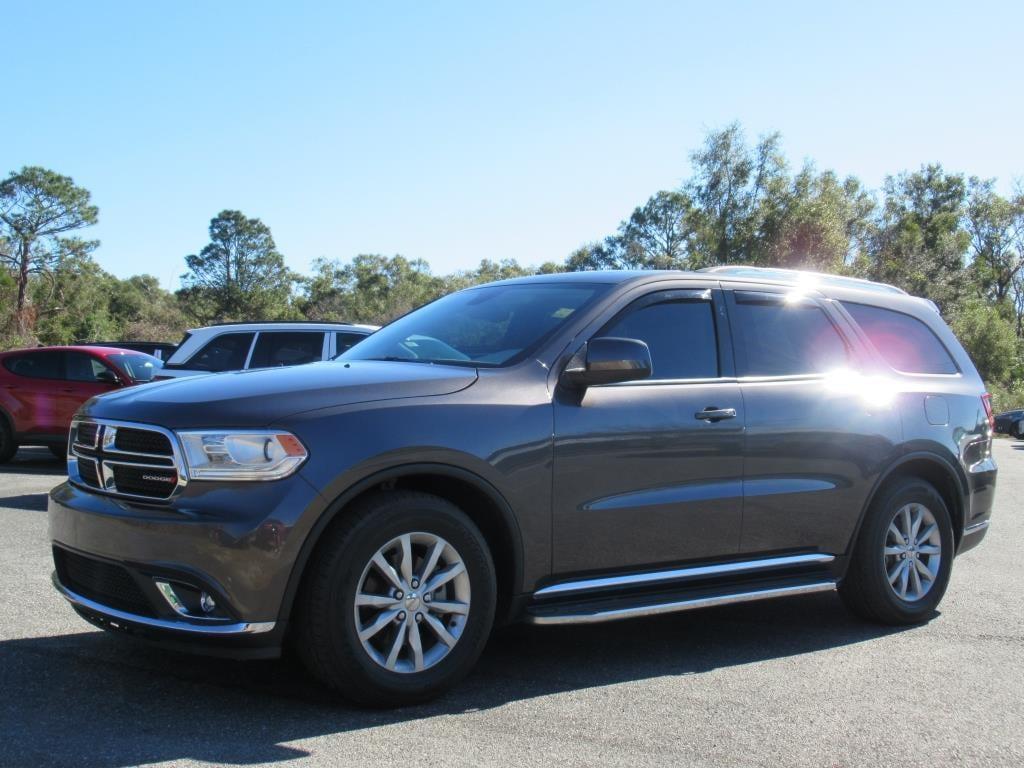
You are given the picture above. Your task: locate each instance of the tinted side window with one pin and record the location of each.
(776, 337)
(905, 342)
(227, 352)
(277, 348)
(82, 367)
(345, 341)
(680, 334)
(36, 365)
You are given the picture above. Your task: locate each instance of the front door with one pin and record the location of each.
(642, 478)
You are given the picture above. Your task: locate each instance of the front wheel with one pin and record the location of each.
(8, 446)
(399, 600)
(904, 555)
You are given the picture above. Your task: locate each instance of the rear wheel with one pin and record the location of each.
(399, 600)
(8, 446)
(1017, 430)
(904, 555)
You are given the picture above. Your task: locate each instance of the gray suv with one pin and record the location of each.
(561, 449)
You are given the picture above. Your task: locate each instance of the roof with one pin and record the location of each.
(793, 277)
(94, 348)
(297, 323)
(306, 325)
(803, 278)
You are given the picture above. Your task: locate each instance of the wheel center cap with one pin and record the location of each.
(412, 601)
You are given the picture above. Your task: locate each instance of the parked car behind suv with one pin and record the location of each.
(40, 390)
(1010, 423)
(239, 346)
(561, 449)
(158, 349)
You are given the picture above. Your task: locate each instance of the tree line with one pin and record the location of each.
(947, 236)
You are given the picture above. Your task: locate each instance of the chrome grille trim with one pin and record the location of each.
(104, 441)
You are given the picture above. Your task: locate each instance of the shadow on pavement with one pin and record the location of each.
(91, 699)
(34, 461)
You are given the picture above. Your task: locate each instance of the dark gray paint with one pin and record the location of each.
(619, 477)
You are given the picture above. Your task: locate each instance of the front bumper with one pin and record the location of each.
(122, 564)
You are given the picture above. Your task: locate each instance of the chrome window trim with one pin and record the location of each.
(679, 574)
(176, 458)
(234, 628)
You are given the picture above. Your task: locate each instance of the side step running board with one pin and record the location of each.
(612, 610)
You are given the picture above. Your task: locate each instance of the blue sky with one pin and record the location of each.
(454, 131)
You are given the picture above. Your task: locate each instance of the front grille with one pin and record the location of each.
(158, 482)
(126, 460)
(106, 583)
(87, 433)
(142, 441)
(87, 470)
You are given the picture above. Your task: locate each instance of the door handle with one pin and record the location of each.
(715, 414)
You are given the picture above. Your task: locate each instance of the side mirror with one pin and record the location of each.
(108, 377)
(609, 360)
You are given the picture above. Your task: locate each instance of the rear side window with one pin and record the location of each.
(776, 336)
(278, 348)
(345, 341)
(907, 344)
(227, 352)
(680, 335)
(36, 365)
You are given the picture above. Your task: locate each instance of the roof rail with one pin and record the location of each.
(803, 277)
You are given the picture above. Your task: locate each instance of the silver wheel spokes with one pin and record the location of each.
(412, 602)
(913, 552)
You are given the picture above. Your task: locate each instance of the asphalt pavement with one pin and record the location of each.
(782, 683)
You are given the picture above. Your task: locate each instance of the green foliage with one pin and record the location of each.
(369, 289)
(996, 229)
(989, 338)
(940, 235)
(918, 244)
(38, 207)
(239, 275)
(1008, 396)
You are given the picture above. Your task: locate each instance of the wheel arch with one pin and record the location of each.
(474, 495)
(932, 468)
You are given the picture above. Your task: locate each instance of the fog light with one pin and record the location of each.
(207, 603)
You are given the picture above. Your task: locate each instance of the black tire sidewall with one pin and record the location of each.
(898, 610)
(365, 678)
(8, 447)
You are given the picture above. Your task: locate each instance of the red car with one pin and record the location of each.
(40, 390)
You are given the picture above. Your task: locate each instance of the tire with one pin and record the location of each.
(1017, 430)
(867, 590)
(328, 621)
(8, 445)
(59, 452)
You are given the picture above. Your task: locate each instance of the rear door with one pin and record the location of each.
(817, 430)
(33, 390)
(640, 477)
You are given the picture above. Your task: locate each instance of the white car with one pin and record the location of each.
(240, 346)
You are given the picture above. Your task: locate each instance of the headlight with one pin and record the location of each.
(241, 454)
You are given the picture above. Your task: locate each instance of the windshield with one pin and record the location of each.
(139, 366)
(490, 326)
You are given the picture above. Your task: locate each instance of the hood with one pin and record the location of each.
(262, 397)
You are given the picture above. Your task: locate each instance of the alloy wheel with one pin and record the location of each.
(912, 552)
(412, 602)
